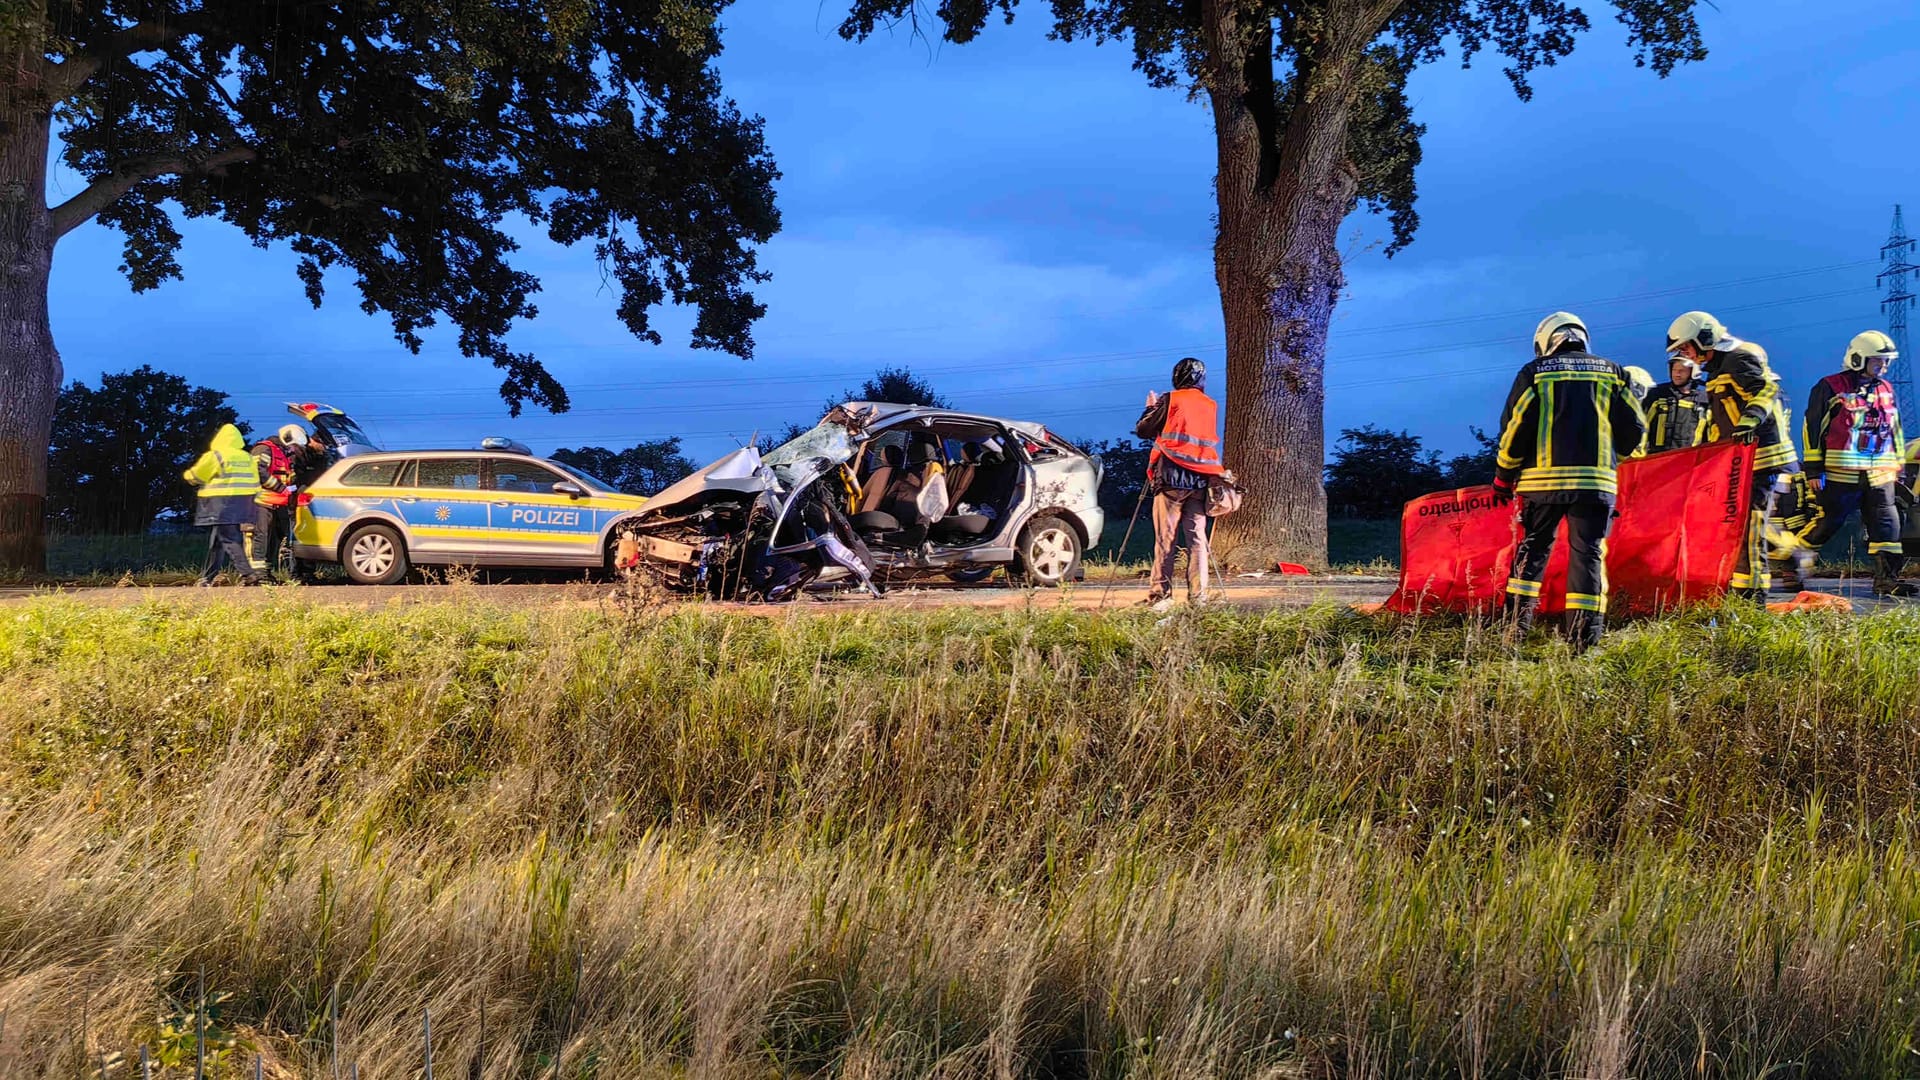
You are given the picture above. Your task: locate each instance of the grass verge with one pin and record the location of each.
(957, 842)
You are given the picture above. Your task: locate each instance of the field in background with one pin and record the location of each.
(957, 843)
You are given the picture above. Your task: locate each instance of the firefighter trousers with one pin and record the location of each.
(1837, 503)
(1587, 523)
(1750, 568)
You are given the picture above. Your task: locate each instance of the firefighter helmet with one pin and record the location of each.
(1556, 330)
(1189, 373)
(1639, 380)
(1868, 346)
(1688, 370)
(1696, 328)
(293, 435)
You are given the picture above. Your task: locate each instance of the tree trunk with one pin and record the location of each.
(1282, 196)
(30, 372)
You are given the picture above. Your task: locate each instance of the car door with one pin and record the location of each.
(538, 525)
(445, 507)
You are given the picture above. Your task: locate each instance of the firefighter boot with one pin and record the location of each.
(1584, 629)
(1790, 574)
(1886, 578)
(1518, 614)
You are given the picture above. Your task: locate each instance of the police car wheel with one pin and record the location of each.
(374, 555)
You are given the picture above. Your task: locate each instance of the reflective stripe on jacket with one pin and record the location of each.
(1743, 392)
(227, 480)
(1676, 416)
(275, 469)
(1570, 418)
(1852, 430)
(1191, 437)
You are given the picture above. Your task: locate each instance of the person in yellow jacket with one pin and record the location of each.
(226, 481)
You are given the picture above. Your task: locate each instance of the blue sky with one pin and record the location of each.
(1029, 226)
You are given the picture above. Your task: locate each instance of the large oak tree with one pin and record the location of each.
(1311, 120)
(393, 141)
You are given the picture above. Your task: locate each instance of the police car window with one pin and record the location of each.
(524, 477)
(373, 474)
(460, 473)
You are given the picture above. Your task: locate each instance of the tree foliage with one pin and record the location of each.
(641, 469)
(1374, 471)
(895, 384)
(1286, 44)
(118, 450)
(398, 141)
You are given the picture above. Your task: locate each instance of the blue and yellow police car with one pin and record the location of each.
(380, 513)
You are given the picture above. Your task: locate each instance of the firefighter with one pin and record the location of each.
(273, 520)
(227, 481)
(311, 456)
(1184, 428)
(1569, 419)
(1742, 398)
(1677, 409)
(1854, 455)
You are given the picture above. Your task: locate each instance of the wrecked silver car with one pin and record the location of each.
(876, 494)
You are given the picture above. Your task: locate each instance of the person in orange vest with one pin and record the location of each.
(1184, 428)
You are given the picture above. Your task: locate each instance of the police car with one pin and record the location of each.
(379, 513)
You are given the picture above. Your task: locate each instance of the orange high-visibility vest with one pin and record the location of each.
(1191, 438)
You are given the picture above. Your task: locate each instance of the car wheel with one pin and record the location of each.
(374, 555)
(1049, 552)
(971, 575)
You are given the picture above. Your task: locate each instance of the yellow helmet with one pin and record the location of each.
(1867, 346)
(1639, 380)
(1556, 330)
(1698, 328)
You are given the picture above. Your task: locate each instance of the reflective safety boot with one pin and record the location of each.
(1584, 629)
(1886, 578)
(1518, 613)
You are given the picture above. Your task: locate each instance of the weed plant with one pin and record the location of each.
(957, 843)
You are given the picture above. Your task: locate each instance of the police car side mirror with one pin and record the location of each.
(570, 489)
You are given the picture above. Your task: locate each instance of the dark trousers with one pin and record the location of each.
(1750, 568)
(1838, 502)
(1587, 523)
(226, 547)
(271, 526)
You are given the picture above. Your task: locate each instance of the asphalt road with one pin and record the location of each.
(1263, 593)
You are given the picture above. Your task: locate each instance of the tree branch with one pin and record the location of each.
(140, 37)
(129, 174)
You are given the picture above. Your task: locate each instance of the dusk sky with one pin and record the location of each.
(1028, 225)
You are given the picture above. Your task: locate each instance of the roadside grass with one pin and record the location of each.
(958, 843)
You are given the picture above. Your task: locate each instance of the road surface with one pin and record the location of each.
(1263, 593)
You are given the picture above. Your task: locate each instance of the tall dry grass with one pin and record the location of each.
(955, 844)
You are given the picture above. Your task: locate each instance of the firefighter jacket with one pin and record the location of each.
(1676, 416)
(275, 466)
(1570, 418)
(227, 481)
(1742, 395)
(1852, 430)
(1190, 436)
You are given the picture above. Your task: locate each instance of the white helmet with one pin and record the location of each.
(1698, 329)
(1639, 380)
(1870, 345)
(293, 435)
(1556, 330)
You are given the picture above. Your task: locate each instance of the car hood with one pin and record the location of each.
(740, 471)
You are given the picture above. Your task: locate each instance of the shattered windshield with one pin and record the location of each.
(813, 453)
